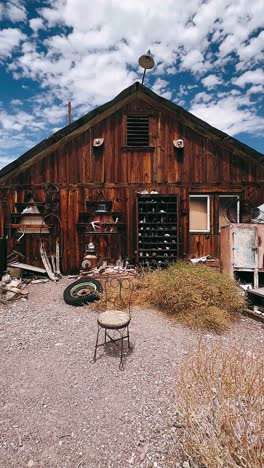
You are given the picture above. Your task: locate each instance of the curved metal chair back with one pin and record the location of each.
(118, 293)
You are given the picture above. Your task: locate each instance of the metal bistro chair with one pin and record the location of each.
(116, 318)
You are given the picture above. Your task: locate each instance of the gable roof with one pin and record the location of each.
(136, 90)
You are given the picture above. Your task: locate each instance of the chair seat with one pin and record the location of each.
(113, 319)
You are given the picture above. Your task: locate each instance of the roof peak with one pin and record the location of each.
(125, 93)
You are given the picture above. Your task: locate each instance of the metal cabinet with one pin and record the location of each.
(242, 250)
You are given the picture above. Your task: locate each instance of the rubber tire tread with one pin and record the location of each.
(79, 301)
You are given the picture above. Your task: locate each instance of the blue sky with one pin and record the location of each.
(208, 54)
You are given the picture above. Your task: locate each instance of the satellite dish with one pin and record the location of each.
(146, 61)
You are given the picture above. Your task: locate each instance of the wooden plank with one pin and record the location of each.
(187, 171)
(258, 292)
(224, 166)
(253, 314)
(174, 158)
(213, 153)
(25, 266)
(98, 155)
(158, 160)
(198, 157)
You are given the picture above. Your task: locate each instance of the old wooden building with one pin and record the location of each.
(139, 177)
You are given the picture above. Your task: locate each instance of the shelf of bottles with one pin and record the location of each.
(157, 229)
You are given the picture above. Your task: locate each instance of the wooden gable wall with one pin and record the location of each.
(80, 171)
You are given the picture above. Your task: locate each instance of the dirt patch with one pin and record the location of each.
(59, 409)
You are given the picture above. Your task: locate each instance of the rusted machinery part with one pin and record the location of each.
(86, 264)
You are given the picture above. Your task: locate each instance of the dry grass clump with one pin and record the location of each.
(221, 405)
(197, 295)
(114, 296)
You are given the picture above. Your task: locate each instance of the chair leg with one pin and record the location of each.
(96, 344)
(128, 342)
(121, 365)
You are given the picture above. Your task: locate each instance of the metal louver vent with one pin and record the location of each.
(137, 130)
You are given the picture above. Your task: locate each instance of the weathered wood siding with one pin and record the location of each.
(80, 171)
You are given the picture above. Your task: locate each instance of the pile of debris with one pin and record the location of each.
(12, 288)
(207, 260)
(110, 270)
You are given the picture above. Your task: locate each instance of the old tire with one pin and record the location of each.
(82, 292)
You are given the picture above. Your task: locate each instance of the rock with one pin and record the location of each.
(40, 281)
(143, 452)
(14, 289)
(10, 295)
(24, 292)
(186, 464)
(15, 283)
(30, 463)
(6, 278)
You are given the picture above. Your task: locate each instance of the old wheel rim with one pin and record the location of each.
(82, 290)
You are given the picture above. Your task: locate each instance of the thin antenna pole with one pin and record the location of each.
(69, 113)
(143, 76)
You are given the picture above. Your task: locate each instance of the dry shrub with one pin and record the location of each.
(197, 295)
(113, 299)
(209, 318)
(220, 397)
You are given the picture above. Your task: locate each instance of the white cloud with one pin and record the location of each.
(10, 38)
(202, 98)
(36, 24)
(256, 89)
(16, 102)
(52, 15)
(13, 11)
(161, 87)
(250, 77)
(231, 114)
(210, 81)
(92, 54)
(194, 61)
(254, 48)
(18, 121)
(177, 31)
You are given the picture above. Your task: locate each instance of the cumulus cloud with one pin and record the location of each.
(16, 102)
(20, 130)
(256, 89)
(231, 114)
(210, 81)
(250, 77)
(253, 49)
(13, 11)
(180, 35)
(161, 87)
(91, 54)
(10, 38)
(36, 24)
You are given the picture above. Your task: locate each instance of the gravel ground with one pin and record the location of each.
(58, 409)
